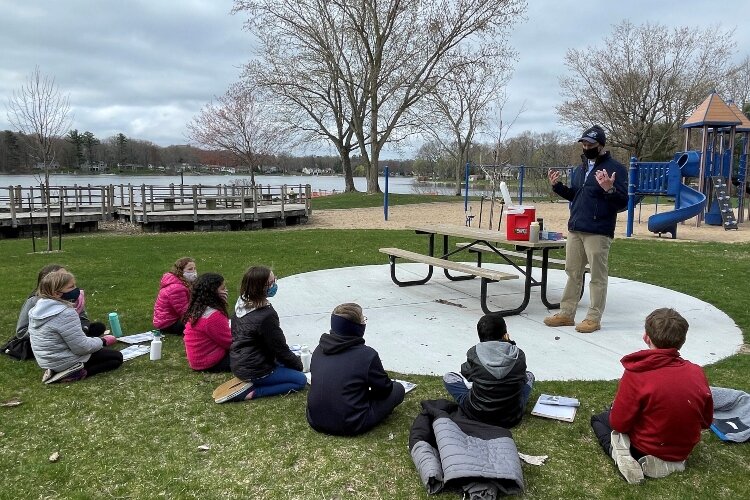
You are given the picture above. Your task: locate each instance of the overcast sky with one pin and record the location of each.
(145, 68)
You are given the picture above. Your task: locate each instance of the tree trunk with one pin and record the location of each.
(346, 164)
(49, 210)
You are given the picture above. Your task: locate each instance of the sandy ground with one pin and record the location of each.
(555, 217)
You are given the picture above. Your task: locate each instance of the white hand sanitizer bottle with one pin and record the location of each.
(155, 347)
(305, 357)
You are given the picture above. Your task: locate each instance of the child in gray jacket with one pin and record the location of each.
(60, 346)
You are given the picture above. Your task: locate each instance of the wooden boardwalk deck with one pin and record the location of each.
(154, 211)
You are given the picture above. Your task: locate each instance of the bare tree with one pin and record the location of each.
(42, 114)
(386, 55)
(459, 105)
(642, 82)
(737, 84)
(238, 122)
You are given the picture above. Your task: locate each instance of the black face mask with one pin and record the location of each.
(72, 295)
(591, 154)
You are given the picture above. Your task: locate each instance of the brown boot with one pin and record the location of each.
(559, 319)
(588, 326)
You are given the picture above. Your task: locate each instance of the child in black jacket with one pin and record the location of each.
(350, 392)
(496, 368)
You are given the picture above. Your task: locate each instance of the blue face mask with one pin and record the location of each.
(72, 295)
(272, 290)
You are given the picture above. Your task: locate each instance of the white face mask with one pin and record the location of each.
(190, 276)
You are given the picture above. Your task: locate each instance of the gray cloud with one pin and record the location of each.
(145, 68)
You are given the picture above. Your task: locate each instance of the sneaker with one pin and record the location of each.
(75, 376)
(559, 319)
(231, 389)
(656, 467)
(628, 466)
(50, 377)
(588, 326)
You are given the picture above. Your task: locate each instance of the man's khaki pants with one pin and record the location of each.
(582, 249)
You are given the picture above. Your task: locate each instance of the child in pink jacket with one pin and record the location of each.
(174, 296)
(207, 333)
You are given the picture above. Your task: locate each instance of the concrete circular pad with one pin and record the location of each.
(427, 329)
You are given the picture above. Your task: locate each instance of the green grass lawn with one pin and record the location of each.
(136, 432)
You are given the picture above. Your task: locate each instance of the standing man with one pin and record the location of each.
(598, 190)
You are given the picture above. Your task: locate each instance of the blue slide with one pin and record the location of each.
(688, 201)
(691, 203)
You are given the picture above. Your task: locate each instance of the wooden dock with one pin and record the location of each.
(23, 211)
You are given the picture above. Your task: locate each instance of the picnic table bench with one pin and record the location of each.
(480, 249)
(484, 240)
(470, 272)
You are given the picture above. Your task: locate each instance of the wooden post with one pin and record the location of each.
(103, 191)
(122, 196)
(90, 202)
(31, 201)
(308, 200)
(242, 202)
(255, 203)
(12, 201)
(144, 204)
(132, 204)
(77, 192)
(151, 195)
(195, 203)
(283, 200)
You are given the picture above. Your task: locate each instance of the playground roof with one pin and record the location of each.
(745, 126)
(712, 111)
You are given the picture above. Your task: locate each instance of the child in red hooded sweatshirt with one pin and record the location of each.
(662, 404)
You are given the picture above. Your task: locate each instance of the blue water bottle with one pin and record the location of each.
(114, 324)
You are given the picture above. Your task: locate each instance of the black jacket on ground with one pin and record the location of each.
(497, 371)
(346, 375)
(592, 209)
(258, 344)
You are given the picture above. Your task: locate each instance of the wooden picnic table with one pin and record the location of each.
(479, 241)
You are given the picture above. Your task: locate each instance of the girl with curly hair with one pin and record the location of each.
(174, 296)
(207, 333)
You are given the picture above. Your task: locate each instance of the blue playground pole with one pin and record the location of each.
(466, 189)
(520, 184)
(632, 182)
(385, 198)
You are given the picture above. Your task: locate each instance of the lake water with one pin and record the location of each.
(398, 185)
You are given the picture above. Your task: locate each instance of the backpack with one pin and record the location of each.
(18, 348)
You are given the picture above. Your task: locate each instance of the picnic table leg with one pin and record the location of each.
(502, 312)
(392, 260)
(447, 273)
(545, 268)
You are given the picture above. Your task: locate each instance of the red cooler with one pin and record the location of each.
(519, 220)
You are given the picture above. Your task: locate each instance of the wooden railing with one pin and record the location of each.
(149, 198)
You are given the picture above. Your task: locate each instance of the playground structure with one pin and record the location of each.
(712, 167)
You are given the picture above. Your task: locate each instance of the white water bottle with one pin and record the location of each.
(305, 357)
(155, 353)
(534, 232)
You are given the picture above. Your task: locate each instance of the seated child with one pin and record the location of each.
(350, 392)
(497, 370)
(207, 333)
(661, 405)
(57, 339)
(91, 329)
(259, 356)
(174, 296)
